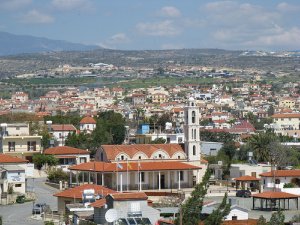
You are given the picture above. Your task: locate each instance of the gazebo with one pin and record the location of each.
(274, 200)
(245, 181)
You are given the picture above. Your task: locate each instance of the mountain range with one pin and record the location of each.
(12, 44)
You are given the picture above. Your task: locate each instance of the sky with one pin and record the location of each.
(271, 25)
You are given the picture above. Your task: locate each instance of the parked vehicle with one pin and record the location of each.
(243, 193)
(38, 208)
(21, 199)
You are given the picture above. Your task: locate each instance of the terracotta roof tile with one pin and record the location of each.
(64, 150)
(76, 192)
(99, 203)
(274, 194)
(246, 178)
(286, 115)
(129, 196)
(63, 127)
(133, 166)
(88, 120)
(148, 149)
(281, 173)
(11, 159)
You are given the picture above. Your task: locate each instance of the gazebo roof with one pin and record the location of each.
(274, 195)
(246, 178)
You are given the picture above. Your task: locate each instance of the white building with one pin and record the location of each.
(286, 123)
(278, 178)
(60, 132)
(87, 124)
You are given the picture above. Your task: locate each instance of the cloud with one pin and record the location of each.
(286, 7)
(115, 40)
(169, 11)
(119, 38)
(35, 16)
(285, 39)
(13, 4)
(66, 5)
(220, 6)
(162, 28)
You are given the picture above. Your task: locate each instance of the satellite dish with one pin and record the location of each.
(111, 215)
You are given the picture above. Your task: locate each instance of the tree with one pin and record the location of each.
(110, 129)
(40, 160)
(49, 223)
(158, 141)
(262, 220)
(192, 207)
(277, 218)
(207, 135)
(217, 216)
(259, 143)
(56, 175)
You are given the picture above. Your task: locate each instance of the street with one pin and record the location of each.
(21, 213)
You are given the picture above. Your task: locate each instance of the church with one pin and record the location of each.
(149, 166)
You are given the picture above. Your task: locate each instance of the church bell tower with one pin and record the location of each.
(192, 131)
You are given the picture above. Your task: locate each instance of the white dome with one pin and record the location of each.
(191, 99)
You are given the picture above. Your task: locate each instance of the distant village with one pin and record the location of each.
(229, 130)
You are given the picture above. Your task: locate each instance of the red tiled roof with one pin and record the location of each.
(76, 192)
(129, 196)
(11, 159)
(287, 115)
(274, 194)
(64, 150)
(148, 149)
(246, 178)
(63, 127)
(99, 203)
(281, 173)
(133, 166)
(88, 120)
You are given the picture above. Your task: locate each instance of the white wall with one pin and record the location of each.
(241, 215)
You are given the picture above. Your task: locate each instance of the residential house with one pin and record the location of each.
(287, 103)
(277, 179)
(13, 172)
(61, 131)
(20, 97)
(138, 99)
(75, 195)
(12, 179)
(68, 156)
(130, 208)
(17, 141)
(87, 124)
(286, 123)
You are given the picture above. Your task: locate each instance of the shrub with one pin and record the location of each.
(56, 175)
(289, 185)
(49, 223)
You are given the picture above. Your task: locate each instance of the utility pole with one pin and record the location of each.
(180, 215)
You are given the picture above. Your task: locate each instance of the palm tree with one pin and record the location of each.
(260, 142)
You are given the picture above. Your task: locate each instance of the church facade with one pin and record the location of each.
(150, 166)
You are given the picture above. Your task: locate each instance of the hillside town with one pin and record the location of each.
(136, 156)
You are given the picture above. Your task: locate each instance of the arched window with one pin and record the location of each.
(122, 157)
(194, 150)
(277, 181)
(193, 116)
(195, 134)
